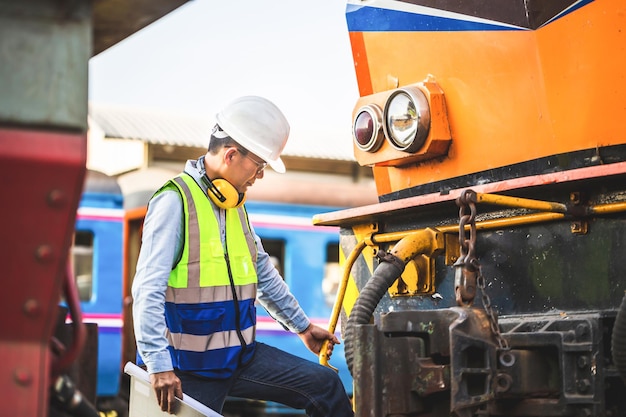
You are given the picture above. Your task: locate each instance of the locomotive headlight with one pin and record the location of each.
(367, 128)
(413, 127)
(407, 119)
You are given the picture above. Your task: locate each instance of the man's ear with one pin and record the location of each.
(229, 153)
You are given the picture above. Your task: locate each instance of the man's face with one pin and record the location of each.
(244, 168)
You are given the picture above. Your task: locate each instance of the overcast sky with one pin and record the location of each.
(294, 52)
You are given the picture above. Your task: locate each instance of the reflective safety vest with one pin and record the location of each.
(209, 302)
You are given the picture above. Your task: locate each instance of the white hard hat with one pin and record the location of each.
(257, 125)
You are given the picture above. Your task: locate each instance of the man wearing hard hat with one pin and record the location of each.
(202, 267)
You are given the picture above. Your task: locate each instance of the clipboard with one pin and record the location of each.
(143, 402)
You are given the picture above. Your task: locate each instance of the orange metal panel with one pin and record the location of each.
(361, 65)
(512, 96)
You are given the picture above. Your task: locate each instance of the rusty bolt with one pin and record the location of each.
(56, 198)
(582, 330)
(23, 377)
(44, 253)
(579, 227)
(32, 308)
(504, 382)
(583, 385)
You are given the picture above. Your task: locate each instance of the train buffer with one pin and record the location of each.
(143, 401)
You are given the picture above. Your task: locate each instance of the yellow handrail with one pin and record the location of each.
(341, 293)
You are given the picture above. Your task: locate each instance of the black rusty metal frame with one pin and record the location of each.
(557, 365)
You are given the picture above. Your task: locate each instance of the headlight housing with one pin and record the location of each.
(407, 119)
(414, 126)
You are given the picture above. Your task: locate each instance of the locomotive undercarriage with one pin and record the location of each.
(438, 362)
(544, 347)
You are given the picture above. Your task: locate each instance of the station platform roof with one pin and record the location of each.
(115, 20)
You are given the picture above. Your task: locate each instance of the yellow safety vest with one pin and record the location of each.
(209, 305)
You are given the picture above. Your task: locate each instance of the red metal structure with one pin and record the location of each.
(46, 46)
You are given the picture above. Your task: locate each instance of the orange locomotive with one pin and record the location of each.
(489, 278)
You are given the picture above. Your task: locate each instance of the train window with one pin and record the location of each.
(332, 274)
(82, 263)
(276, 249)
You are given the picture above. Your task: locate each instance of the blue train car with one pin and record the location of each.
(97, 255)
(106, 242)
(308, 258)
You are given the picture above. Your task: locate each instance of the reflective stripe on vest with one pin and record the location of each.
(204, 319)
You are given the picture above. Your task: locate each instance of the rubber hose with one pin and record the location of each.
(385, 274)
(618, 341)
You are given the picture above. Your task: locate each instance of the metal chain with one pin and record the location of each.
(491, 313)
(468, 245)
(471, 271)
(465, 275)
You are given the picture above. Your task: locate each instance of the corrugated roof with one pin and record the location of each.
(171, 128)
(152, 126)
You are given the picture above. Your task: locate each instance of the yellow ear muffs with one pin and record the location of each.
(224, 195)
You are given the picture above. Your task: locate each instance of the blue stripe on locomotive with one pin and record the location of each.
(403, 16)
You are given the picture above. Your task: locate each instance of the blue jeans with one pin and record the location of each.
(274, 375)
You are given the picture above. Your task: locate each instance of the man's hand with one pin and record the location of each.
(167, 387)
(314, 336)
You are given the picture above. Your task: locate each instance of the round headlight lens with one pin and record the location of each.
(407, 119)
(367, 130)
